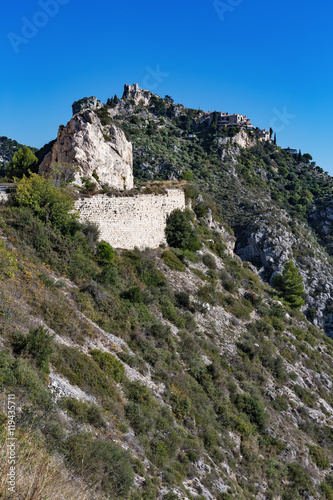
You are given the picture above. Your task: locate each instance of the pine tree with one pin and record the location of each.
(22, 162)
(290, 286)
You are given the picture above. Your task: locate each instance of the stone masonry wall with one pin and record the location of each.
(128, 222)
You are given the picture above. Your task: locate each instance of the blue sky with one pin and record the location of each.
(270, 61)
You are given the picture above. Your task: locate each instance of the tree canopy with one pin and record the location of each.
(22, 162)
(290, 285)
(179, 231)
(49, 203)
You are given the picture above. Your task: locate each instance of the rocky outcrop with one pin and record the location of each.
(96, 151)
(241, 139)
(321, 220)
(86, 103)
(271, 241)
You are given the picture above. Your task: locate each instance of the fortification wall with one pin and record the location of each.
(128, 222)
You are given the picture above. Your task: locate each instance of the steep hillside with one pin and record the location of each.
(163, 374)
(179, 372)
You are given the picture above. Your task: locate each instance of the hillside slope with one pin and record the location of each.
(277, 204)
(179, 372)
(157, 374)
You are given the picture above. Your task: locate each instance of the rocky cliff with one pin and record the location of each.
(98, 151)
(270, 246)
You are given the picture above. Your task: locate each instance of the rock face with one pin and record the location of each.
(100, 152)
(86, 103)
(269, 242)
(241, 139)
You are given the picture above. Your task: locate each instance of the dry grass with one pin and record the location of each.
(39, 475)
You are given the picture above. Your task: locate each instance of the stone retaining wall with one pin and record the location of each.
(128, 222)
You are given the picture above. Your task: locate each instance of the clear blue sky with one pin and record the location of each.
(269, 60)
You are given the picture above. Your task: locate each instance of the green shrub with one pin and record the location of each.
(84, 412)
(183, 300)
(318, 456)
(8, 262)
(281, 403)
(32, 383)
(252, 407)
(228, 282)
(307, 397)
(139, 393)
(326, 490)
(299, 479)
(209, 261)
(207, 294)
(133, 294)
(7, 374)
(271, 444)
(190, 256)
(159, 453)
(179, 232)
(47, 202)
(103, 463)
(109, 276)
(105, 253)
(104, 116)
(22, 162)
(171, 313)
(38, 344)
(82, 370)
(110, 365)
(172, 261)
(181, 404)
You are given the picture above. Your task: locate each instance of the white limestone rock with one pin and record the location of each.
(242, 139)
(94, 149)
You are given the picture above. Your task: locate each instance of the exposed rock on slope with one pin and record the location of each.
(101, 152)
(242, 139)
(86, 103)
(270, 246)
